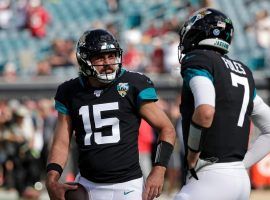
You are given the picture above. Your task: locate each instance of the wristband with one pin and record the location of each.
(163, 153)
(54, 167)
(195, 137)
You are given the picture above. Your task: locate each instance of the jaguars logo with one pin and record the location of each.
(122, 89)
(198, 15)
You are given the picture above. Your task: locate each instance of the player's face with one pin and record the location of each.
(104, 63)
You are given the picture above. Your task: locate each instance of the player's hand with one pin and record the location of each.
(192, 159)
(154, 183)
(57, 190)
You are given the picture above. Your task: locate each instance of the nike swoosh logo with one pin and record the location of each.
(125, 193)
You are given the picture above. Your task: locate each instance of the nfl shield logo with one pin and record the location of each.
(122, 89)
(97, 93)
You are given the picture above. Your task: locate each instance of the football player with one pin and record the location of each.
(219, 101)
(104, 107)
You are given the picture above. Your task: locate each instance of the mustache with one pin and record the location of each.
(106, 65)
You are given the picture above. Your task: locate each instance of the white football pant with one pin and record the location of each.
(219, 181)
(130, 190)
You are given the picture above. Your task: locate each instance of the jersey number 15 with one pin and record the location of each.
(99, 123)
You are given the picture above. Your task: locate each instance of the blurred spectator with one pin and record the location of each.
(132, 58)
(60, 56)
(112, 28)
(70, 46)
(27, 62)
(156, 64)
(171, 53)
(10, 71)
(5, 14)
(43, 68)
(165, 27)
(207, 3)
(8, 146)
(174, 24)
(37, 18)
(46, 112)
(24, 127)
(21, 13)
(259, 31)
(5, 132)
(175, 173)
(262, 28)
(145, 143)
(62, 60)
(113, 5)
(26, 164)
(133, 36)
(152, 31)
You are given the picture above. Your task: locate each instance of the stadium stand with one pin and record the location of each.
(70, 18)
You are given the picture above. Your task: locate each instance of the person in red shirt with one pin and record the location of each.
(145, 143)
(37, 18)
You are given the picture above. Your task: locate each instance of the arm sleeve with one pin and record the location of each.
(203, 91)
(261, 147)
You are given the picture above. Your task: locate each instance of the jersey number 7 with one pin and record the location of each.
(99, 123)
(240, 80)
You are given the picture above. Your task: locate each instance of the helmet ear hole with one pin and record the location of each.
(192, 39)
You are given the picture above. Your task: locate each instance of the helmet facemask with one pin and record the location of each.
(106, 77)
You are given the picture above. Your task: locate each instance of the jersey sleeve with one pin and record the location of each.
(196, 63)
(145, 89)
(61, 99)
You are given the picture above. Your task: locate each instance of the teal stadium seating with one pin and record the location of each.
(71, 17)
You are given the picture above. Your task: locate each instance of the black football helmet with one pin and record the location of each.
(206, 27)
(94, 42)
